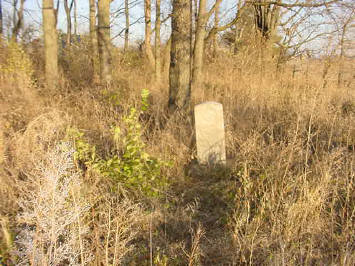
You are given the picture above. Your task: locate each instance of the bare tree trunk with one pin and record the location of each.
(126, 32)
(192, 38)
(75, 21)
(199, 45)
(1, 30)
(166, 53)
(327, 65)
(104, 40)
(157, 43)
(148, 31)
(56, 13)
(195, 7)
(194, 17)
(341, 56)
(266, 19)
(18, 20)
(238, 37)
(179, 72)
(67, 12)
(50, 44)
(14, 8)
(236, 40)
(238, 31)
(93, 41)
(216, 24)
(342, 49)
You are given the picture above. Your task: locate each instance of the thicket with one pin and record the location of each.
(93, 175)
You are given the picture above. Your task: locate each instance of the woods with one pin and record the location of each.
(182, 132)
(264, 16)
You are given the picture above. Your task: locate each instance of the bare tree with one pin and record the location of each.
(56, 13)
(126, 32)
(198, 52)
(17, 19)
(1, 28)
(50, 43)
(216, 23)
(179, 72)
(93, 40)
(157, 43)
(67, 9)
(199, 44)
(215, 29)
(343, 22)
(299, 24)
(14, 13)
(104, 41)
(148, 32)
(239, 29)
(166, 57)
(266, 17)
(75, 19)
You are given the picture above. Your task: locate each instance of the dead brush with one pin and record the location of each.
(38, 138)
(195, 252)
(289, 142)
(18, 95)
(51, 232)
(52, 184)
(114, 224)
(290, 145)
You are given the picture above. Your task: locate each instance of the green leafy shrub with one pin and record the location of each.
(131, 165)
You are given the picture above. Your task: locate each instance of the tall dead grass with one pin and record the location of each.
(285, 198)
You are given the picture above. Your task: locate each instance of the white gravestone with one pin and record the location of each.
(209, 126)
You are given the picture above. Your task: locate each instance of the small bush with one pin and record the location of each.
(131, 166)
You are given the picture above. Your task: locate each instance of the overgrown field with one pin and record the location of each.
(104, 176)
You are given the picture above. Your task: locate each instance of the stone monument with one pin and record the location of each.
(210, 140)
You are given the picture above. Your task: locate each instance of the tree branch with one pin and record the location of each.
(276, 3)
(215, 29)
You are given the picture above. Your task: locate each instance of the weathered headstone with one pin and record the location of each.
(209, 126)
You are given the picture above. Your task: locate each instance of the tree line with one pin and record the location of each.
(195, 25)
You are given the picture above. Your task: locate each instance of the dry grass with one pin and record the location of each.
(286, 198)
